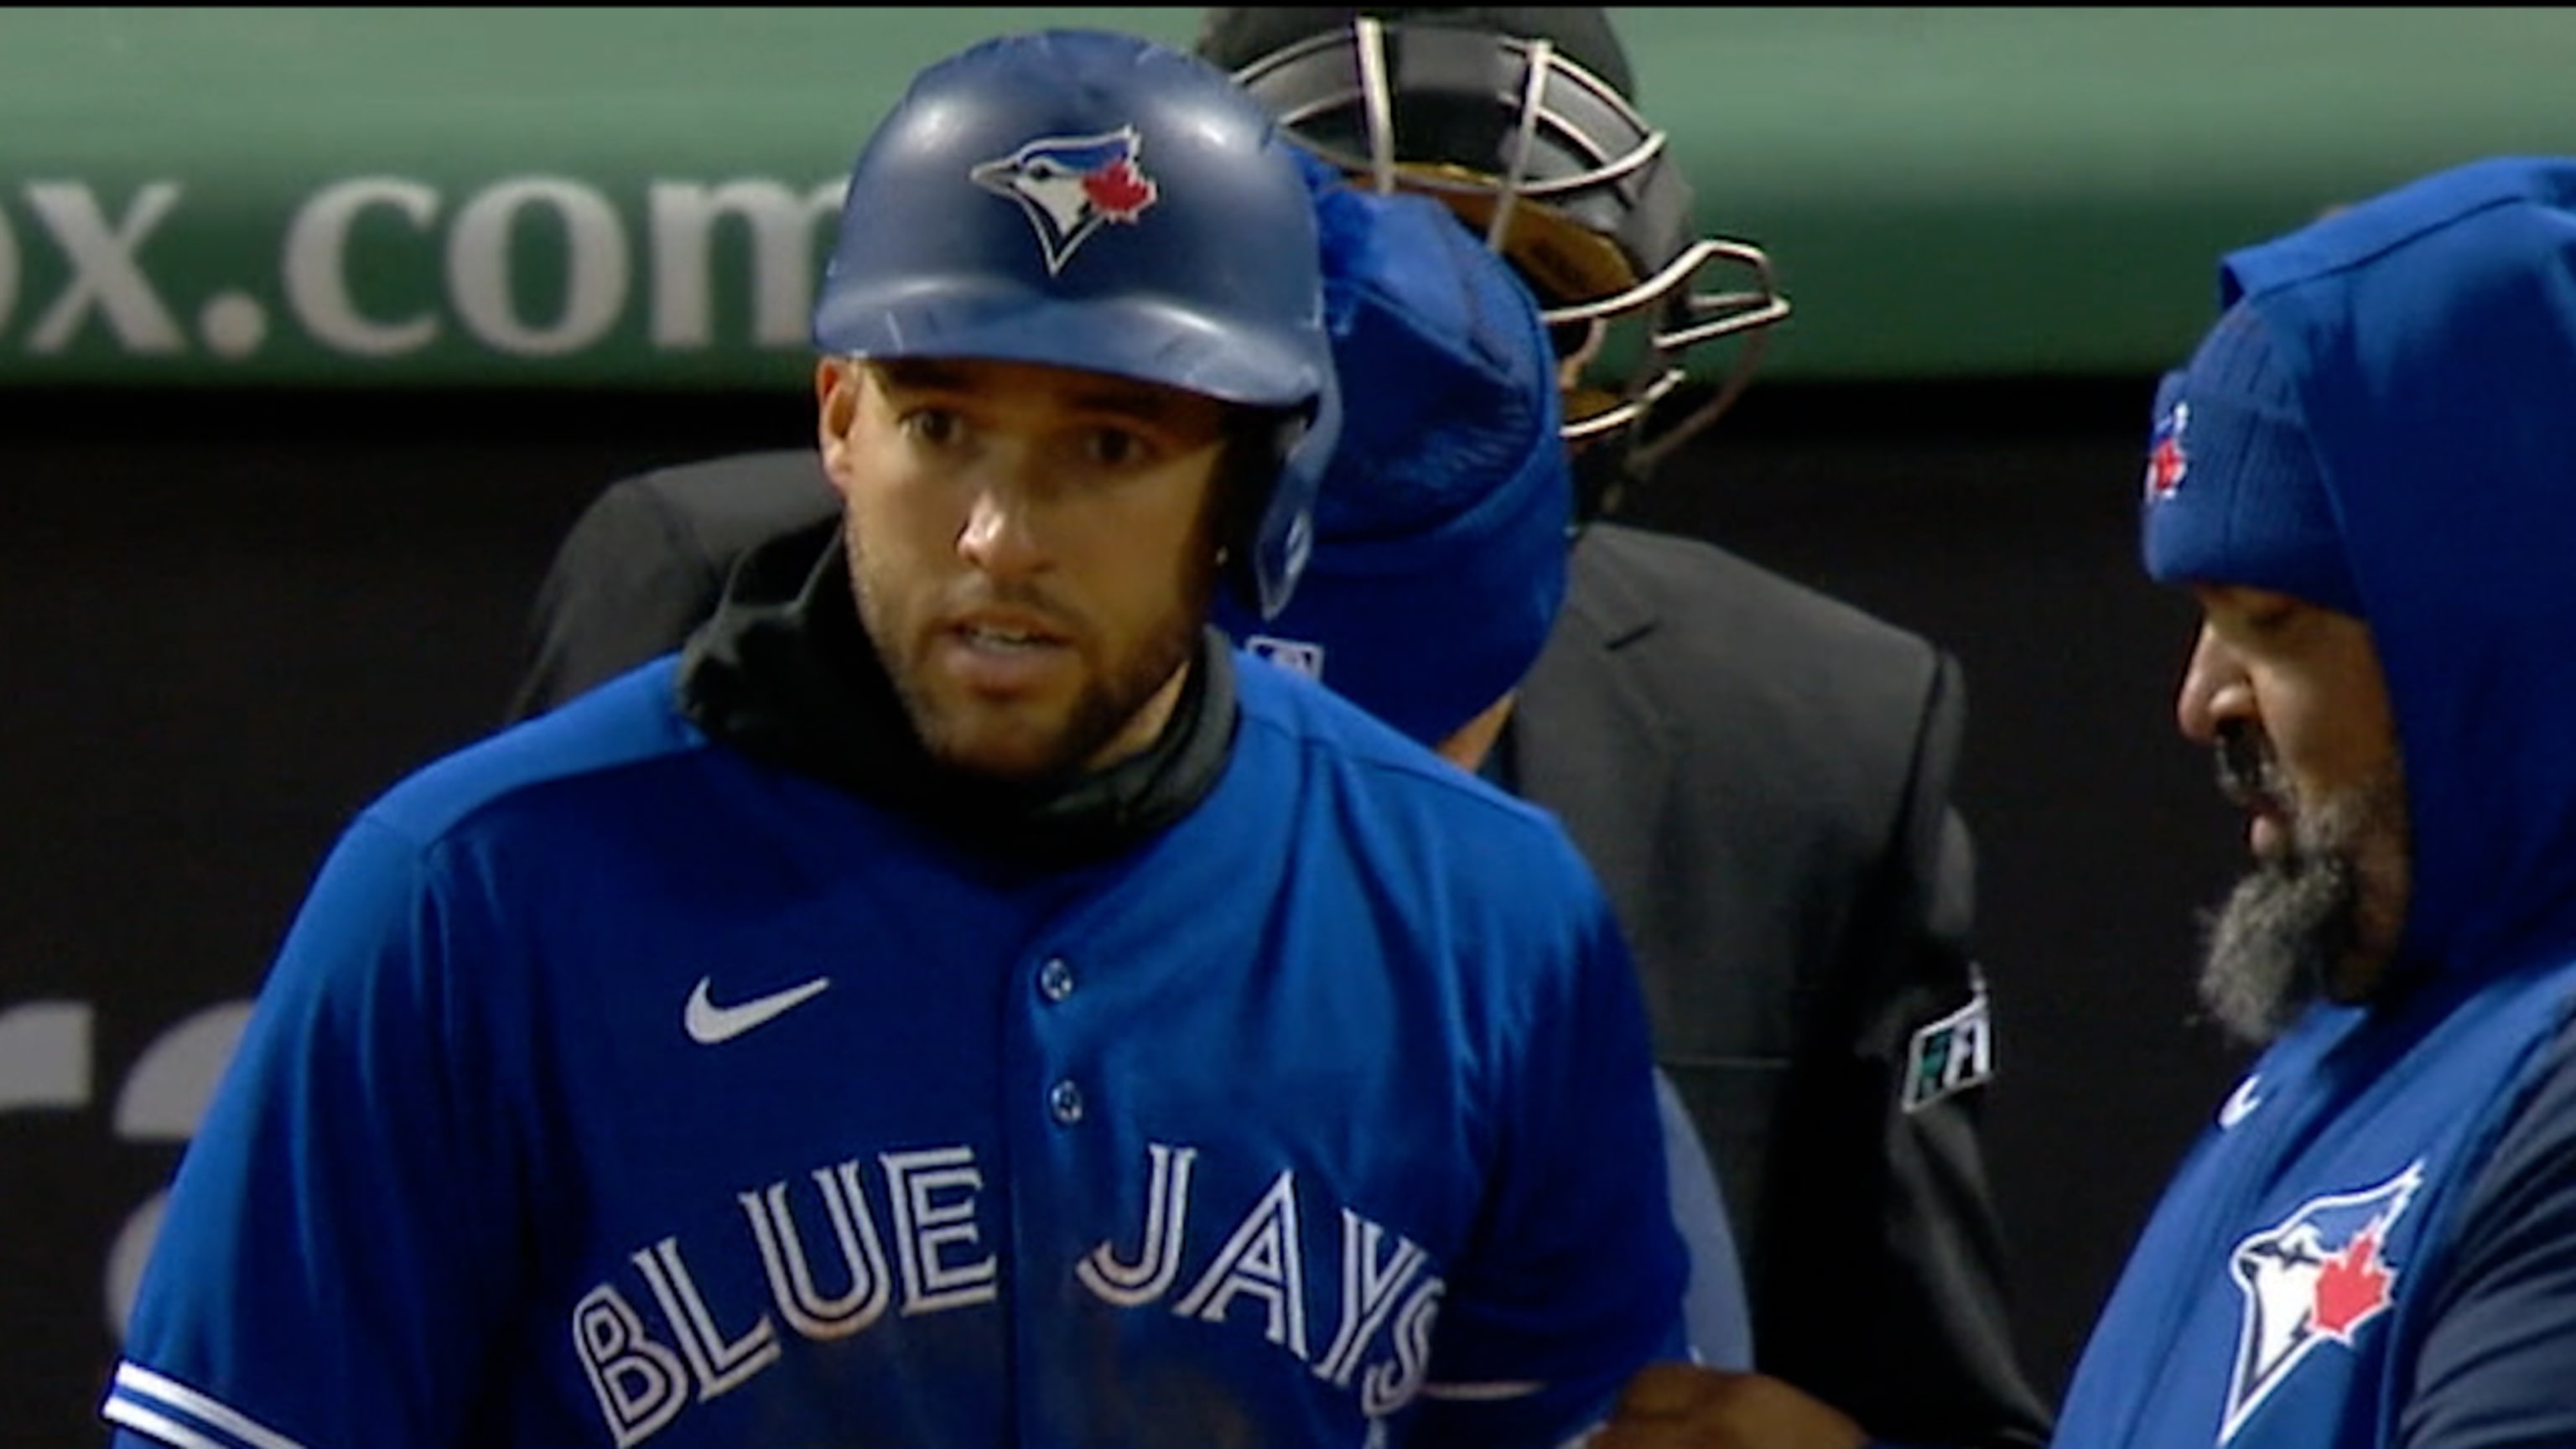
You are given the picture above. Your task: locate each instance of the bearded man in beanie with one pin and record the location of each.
(2366, 478)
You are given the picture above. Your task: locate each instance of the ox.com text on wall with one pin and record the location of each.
(388, 268)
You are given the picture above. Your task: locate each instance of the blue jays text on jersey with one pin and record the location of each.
(2374, 1245)
(625, 1089)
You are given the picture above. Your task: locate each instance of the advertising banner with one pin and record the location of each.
(538, 196)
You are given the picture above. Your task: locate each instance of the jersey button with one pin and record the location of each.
(1055, 979)
(1064, 1103)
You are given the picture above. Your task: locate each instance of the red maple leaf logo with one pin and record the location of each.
(2164, 467)
(2351, 1287)
(1119, 191)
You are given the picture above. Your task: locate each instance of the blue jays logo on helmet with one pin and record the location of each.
(2315, 1278)
(1071, 186)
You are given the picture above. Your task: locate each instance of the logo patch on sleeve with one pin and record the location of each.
(1951, 1055)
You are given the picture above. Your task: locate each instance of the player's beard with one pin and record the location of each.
(2317, 919)
(1111, 694)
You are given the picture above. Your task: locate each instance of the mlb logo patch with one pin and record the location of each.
(1951, 1055)
(1070, 187)
(1298, 656)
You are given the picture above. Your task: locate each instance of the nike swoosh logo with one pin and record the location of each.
(708, 1023)
(2240, 1103)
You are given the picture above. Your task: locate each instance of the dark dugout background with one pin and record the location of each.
(235, 616)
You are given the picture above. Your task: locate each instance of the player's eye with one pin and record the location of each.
(2273, 620)
(934, 427)
(2269, 619)
(1114, 448)
(2249, 617)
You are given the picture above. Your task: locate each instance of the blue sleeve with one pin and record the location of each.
(339, 1227)
(1720, 1322)
(2500, 1352)
(1576, 1280)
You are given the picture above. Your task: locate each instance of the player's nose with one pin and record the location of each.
(1000, 535)
(2214, 689)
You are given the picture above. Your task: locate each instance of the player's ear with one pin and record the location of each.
(837, 382)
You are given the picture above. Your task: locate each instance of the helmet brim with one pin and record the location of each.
(1138, 337)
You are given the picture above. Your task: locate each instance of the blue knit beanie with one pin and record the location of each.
(2233, 494)
(1440, 545)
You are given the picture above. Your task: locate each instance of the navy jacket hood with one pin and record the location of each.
(2432, 333)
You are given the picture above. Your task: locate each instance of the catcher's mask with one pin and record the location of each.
(1559, 173)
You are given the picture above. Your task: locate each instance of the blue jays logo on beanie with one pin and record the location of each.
(2233, 493)
(1070, 186)
(2167, 460)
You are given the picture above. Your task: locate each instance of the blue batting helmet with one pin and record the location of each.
(1097, 201)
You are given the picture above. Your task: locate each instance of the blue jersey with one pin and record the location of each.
(2314, 1259)
(616, 1087)
(2374, 1247)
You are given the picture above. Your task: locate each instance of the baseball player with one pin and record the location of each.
(1760, 774)
(959, 1001)
(2361, 478)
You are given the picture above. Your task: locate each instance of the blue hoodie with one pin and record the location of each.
(2375, 1243)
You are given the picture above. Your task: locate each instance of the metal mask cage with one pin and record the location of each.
(1562, 176)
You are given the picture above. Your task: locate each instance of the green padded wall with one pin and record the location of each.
(557, 196)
